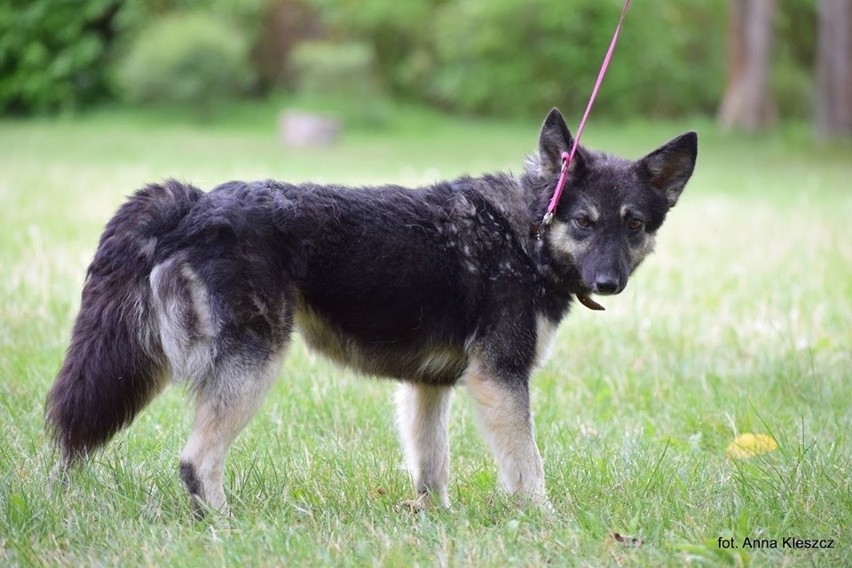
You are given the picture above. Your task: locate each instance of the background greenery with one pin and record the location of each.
(470, 56)
(739, 323)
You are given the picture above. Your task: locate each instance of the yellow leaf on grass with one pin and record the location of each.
(750, 445)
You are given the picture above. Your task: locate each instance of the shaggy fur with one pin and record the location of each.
(428, 286)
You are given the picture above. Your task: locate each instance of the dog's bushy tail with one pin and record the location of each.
(114, 364)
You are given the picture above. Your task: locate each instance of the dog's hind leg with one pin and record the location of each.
(225, 403)
(227, 346)
(503, 412)
(422, 416)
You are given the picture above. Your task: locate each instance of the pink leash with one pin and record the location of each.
(567, 157)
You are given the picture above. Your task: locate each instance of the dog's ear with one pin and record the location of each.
(670, 166)
(554, 139)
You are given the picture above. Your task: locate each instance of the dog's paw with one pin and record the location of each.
(421, 503)
(58, 480)
(546, 508)
(425, 501)
(534, 502)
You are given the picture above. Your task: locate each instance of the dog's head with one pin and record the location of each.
(609, 213)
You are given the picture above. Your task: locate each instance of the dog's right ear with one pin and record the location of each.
(554, 139)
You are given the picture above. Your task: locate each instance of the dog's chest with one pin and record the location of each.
(545, 339)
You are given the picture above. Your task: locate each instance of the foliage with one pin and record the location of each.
(59, 54)
(322, 67)
(509, 57)
(474, 56)
(398, 31)
(53, 54)
(283, 25)
(324, 70)
(186, 58)
(794, 55)
(144, 12)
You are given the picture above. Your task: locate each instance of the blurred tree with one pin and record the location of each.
(283, 25)
(834, 69)
(747, 103)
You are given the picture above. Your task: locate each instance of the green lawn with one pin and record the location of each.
(740, 323)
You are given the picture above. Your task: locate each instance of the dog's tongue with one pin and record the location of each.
(589, 303)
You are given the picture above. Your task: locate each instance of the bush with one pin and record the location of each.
(325, 67)
(502, 56)
(394, 29)
(53, 54)
(511, 57)
(326, 70)
(187, 58)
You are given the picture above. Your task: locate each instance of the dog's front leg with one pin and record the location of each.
(503, 412)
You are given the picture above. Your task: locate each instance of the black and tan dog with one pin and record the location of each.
(434, 286)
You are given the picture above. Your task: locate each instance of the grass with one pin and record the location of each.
(741, 323)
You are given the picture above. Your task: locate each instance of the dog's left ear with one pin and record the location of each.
(670, 166)
(554, 139)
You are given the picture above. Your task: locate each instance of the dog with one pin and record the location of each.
(453, 283)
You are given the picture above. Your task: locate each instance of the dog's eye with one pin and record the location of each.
(583, 222)
(635, 224)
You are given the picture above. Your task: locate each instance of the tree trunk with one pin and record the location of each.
(747, 103)
(834, 69)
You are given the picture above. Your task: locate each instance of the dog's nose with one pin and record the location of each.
(607, 284)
